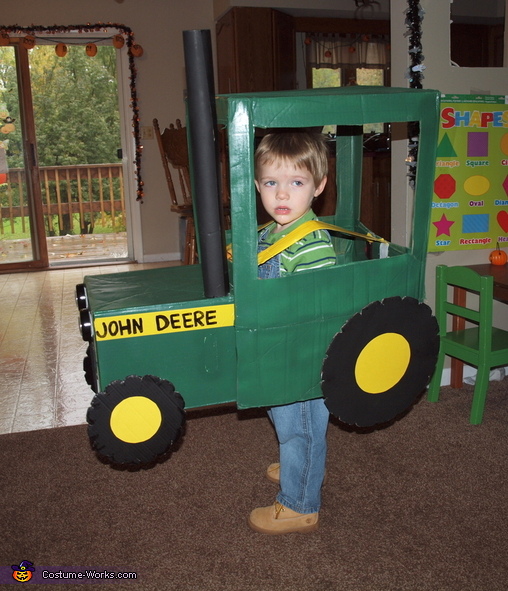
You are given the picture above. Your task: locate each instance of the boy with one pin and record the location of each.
(291, 171)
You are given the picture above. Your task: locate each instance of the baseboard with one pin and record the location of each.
(468, 372)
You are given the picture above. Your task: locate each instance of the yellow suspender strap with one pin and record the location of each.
(302, 231)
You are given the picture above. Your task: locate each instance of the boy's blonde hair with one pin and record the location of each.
(301, 148)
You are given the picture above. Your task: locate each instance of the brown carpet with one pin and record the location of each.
(419, 506)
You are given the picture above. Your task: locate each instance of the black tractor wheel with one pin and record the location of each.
(380, 362)
(136, 420)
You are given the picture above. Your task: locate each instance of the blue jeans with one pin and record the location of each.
(301, 430)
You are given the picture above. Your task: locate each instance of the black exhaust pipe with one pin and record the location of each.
(204, 150)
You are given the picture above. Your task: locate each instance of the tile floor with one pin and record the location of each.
(41, 350)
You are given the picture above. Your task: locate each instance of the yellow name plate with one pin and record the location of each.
(154, 323)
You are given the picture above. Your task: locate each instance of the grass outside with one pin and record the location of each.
(101, 227)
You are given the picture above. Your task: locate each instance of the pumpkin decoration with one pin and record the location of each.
(118, 41)
(61, 49)
(28, 42)
(498, 256)
(137, 50)
(4, 39)
(91, 49)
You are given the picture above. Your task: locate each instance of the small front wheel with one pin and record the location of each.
(136, 420)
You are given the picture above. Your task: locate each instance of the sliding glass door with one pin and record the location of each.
(64, 167)
(22, 237)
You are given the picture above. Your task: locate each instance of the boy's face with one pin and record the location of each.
(286, 192)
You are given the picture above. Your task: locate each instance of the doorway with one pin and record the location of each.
(64, 159)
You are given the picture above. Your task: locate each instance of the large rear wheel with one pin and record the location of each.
(381, 361)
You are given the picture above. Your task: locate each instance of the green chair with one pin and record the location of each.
(480, 345)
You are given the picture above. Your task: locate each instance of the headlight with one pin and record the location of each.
(81, 297)
(86, 325)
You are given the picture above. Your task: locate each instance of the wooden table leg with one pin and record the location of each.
(458, 323)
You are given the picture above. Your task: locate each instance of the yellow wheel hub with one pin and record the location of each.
(382, 363)
(135, 419)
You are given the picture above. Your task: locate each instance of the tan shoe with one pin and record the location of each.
(277, 519)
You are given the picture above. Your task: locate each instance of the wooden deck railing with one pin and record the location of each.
(92, 191)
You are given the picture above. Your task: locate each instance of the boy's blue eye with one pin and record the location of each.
(270, 183)
(298, 183)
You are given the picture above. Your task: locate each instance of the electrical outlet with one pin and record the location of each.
(146, 132)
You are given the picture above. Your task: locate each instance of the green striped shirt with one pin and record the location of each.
(314, 251)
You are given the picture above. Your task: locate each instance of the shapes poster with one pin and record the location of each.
(470, 199)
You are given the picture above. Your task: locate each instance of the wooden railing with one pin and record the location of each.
(93, 191)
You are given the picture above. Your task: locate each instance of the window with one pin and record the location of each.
(347, 51)
(347, 60)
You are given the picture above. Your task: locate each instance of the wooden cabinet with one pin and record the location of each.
(255, 50)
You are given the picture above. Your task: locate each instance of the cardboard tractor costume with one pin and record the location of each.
(356, 333)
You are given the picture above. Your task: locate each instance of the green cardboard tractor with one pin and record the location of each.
(356, 333)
